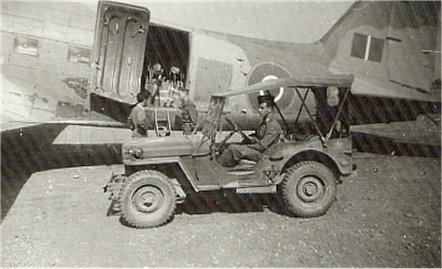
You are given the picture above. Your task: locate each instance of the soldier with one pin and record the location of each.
(267, 134)
(155, 82)
(173, 87)
(188, 112)
(138, 120)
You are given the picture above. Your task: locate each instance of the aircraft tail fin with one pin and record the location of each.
(395, 41)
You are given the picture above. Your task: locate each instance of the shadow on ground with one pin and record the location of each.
(29, 150)
(225, 202)
(230, 202)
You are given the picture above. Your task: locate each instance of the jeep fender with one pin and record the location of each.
(335, 157)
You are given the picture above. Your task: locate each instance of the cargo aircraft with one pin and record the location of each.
(392, 48)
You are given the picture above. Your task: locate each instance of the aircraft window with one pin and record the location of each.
(77, 54)
(27, 46)
(359, 45)
(367, 47)
(376, 48)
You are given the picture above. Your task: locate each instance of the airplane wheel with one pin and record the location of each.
(148, 199)
(308, 189)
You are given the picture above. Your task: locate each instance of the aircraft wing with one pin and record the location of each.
(324, 81)
(384, 89)
(423, 131)
(16, 125)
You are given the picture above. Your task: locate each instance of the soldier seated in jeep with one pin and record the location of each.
(251, 149)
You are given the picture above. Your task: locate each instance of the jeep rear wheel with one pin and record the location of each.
(148, 199)
(308, 189)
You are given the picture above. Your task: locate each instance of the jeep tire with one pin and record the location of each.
(148, 199)
(308, 189)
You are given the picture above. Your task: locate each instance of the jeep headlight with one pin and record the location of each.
(137, 153)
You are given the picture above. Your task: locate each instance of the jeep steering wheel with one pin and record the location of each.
(238, 129)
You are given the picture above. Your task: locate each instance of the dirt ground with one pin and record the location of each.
(389, 215)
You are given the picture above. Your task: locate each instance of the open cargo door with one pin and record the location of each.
(118, 52)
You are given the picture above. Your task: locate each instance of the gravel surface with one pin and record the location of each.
(389, 215)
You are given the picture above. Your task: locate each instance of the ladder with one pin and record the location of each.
(163, 126)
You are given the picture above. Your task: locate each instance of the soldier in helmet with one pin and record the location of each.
(268, 133)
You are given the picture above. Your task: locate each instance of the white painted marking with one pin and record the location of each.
(281, 90)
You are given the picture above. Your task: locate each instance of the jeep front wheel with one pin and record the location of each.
(308, 189)
(147, 199)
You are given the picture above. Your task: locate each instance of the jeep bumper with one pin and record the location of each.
(113, 186)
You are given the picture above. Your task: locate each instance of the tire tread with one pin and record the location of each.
(125, 192)
(285, 192)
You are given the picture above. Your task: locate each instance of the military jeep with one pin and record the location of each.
(161, 172)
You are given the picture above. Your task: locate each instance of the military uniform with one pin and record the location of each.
(138, 121)
(267, 134)
(189, 116)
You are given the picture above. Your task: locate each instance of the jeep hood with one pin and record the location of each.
(157, 147)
